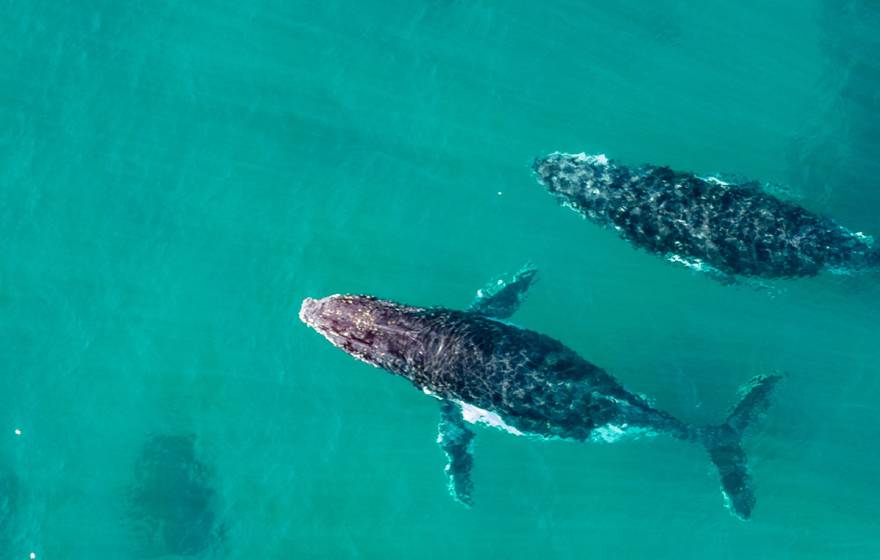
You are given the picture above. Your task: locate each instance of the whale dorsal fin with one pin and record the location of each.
(502, 296)
(455, 439)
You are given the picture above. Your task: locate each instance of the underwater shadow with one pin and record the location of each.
(172, 501)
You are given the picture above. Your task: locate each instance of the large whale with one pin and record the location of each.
(486, 370)
(726, 228)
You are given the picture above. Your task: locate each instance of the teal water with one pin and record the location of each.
(175, 177)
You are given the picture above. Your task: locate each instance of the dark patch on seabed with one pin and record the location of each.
(9, 498)
(173, 504)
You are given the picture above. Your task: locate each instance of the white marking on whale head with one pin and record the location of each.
(473, 415)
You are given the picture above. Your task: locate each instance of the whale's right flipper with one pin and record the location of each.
(502, 297)
(455, 439)
(723, 444)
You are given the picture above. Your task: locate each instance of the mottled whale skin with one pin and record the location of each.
(705, 223)
(487, 370)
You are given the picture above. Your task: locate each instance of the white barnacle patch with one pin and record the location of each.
(473, 415)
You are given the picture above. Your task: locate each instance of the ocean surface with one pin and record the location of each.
(175, 177)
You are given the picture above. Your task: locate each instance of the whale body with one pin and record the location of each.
(728, 229)
(486, 370)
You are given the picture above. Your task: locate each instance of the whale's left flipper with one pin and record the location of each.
(723, 444)
(455, 439)
(502, 297)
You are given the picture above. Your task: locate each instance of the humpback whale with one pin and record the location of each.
(485, 370)
(729, 229)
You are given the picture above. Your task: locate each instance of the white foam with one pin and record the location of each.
(841, 271)
(598, 159)
(864, 238)
(474, 414)
(610, 433)
(715, 180)
(694, 264)
(728, 503)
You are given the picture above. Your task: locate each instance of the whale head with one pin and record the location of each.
(375, 331)
(573, 176)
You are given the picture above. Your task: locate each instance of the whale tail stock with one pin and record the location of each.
(723, 444)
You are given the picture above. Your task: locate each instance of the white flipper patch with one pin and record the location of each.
(474, 415)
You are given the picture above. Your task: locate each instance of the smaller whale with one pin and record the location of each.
(485, 370)
(723, 228)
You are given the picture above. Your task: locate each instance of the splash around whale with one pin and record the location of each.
(485, 370)
(726, 228)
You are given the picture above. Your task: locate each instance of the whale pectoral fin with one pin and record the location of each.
(502, 296)
(455, 439)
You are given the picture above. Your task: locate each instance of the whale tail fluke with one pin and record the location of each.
(723, 444)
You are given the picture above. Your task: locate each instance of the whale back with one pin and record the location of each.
(532, 380)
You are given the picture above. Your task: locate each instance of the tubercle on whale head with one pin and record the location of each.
(565, 175)
(372, 330)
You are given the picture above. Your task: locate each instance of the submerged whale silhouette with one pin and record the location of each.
(485, 370)
(727, 229)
